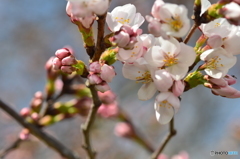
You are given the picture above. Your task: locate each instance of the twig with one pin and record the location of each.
(190, 33)
(89, 122)
(100, 38)
(47, 139)
(171, 133)
(14, 145)
(138, 137)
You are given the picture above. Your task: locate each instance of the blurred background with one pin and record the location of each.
(31, 32)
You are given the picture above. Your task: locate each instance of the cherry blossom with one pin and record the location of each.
(124, 15)
(217, 62)
(166, 105)
(175, 57)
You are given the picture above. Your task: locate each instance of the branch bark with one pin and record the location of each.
(171, 133)
(13, 146)
(190, 33)
(100, 47)
(138, 137)
(47, 139)
(86, 127)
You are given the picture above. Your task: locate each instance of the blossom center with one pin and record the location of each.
(144, 77)
(122, 20)
(165, 104)
(214, 63)
(170, 60)
(175, 23)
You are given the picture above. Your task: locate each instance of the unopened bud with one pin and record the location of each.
(95, 67)
(24, 134)
(108, 110)
(124, 129)
(102, 87)
(94, 79)
(25, 112)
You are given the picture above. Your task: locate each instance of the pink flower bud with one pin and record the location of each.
(107, 73)
(38, 95)
(51, 73)
(62, 53)
(124, 130)
(24, 134)
(107, 97)
(230, 79)
(64, 61)
(56, 64)
(95, 67)
(94, 79)
(35, 116)
(69, 60)
(178, 88)
(228, 92)
(218, 82)
(108, 110)
(25, 112)
(181, 155)
(156, 8)
(154, 27)
(121, 39)
(68, 69)
(162, 156)
(102, 87)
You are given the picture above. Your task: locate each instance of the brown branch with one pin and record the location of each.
(100, 38)
(138, 137)
(47, 139)
(190, 33)
(86, 127)
(171, 133)
(13, 146)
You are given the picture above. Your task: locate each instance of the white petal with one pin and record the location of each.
(205, 4)
(163, 114)
(162, 80)
(132, 71)
(178, 71)
(147, 91)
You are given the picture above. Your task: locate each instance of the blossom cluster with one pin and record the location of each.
(161, 61)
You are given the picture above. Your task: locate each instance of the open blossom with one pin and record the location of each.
(166, 105)
(217, 62)
(152, 80)
(222, 34)
(145, 41)
(173, 18)
(124, 15)
(205, 4)
(86, 7)
(231, 12)
(175, 57)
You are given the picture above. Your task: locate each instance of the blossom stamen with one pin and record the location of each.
(214, 63)
(175, 23)
(170, 60)
(144, 77)
(165, 104)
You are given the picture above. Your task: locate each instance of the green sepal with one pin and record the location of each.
(194, 79)
(80, 66)
(109, 56)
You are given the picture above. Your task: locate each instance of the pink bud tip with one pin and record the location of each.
(25, 112)
(124, 130)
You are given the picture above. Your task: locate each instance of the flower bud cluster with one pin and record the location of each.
(64, 61)
(109, 107)
(100, 75)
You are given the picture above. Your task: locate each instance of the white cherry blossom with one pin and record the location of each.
(175, 57)
(124, 15)
(152, 80)
(217, 62)
(166, 105)
(175, 21)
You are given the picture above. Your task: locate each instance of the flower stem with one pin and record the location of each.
(190, 33)
(171, 133)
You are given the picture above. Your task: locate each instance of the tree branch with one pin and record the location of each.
(190, 33)
(89, 122)
(47, 139)
(13, 146)
(138, 137)
(171, 133)
(100, 38)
